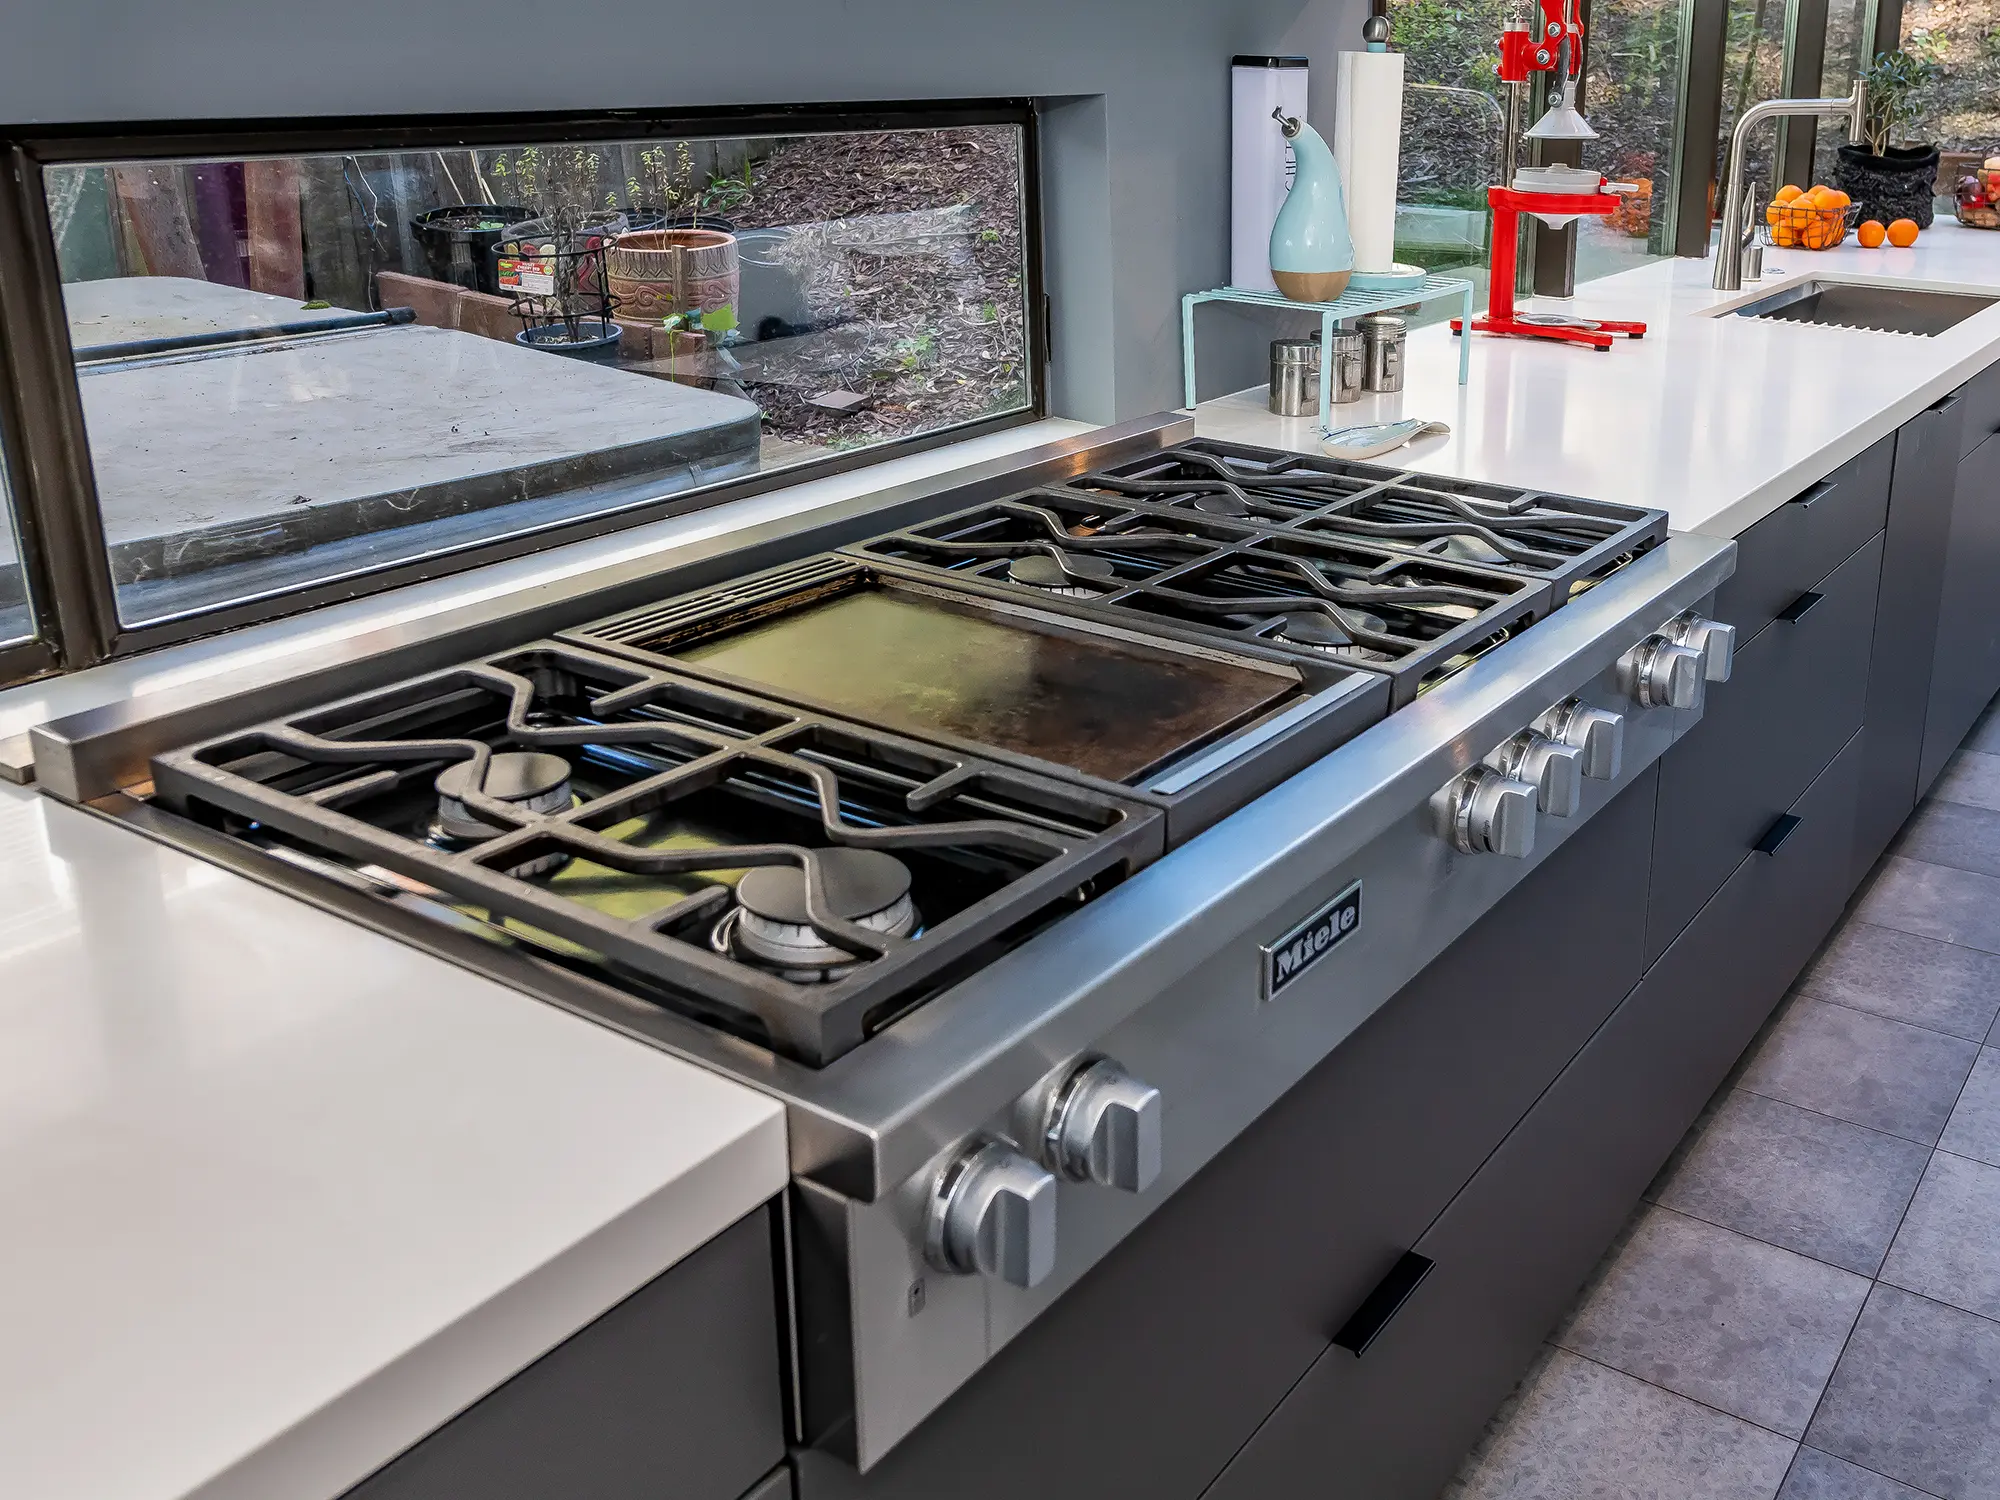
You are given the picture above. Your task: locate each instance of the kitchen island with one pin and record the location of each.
(1674, 422)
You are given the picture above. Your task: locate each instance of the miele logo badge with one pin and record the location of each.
(1311, 941)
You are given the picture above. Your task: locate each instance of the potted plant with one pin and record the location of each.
(688, 264)
(1888, 180)
(458, 241)
(553, 264)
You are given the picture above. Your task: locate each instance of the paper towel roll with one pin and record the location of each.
(1367, 136)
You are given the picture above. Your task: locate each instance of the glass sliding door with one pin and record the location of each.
(1850, 26)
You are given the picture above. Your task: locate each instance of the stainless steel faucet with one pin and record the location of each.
(1736, 231)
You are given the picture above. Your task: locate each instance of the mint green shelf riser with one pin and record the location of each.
(1351, 305)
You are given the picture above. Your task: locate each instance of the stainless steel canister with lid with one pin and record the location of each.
(1384, 335)
(1294, 377)
(1347, 354)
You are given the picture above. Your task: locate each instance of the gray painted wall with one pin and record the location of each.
(1136, 157)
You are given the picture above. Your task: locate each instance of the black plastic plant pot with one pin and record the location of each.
(716, 222)
(1899, 184)
(458, 241)
(596, 341)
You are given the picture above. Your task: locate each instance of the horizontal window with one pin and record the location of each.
(298, 369)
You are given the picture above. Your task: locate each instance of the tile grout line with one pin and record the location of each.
(1800, 987)
(1877, 1280)
(1843, 1120)
(1682, 1396)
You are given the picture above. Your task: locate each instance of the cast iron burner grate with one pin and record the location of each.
(696, 847)
(1413, 617)
(1573, 543)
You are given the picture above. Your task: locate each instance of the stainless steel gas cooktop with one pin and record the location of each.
(1028, 832)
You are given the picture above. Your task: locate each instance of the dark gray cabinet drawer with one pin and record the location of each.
(675, 1391)
(1803, 540)
(1796, 697)
(1965, 671)
(1152, 1372)
(1514, 1246)
(1981, 397)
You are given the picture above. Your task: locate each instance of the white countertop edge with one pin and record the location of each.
(369, 1424)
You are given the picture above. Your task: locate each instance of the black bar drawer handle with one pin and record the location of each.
(1775, 836)
(1800, 607)
(1816, 494)
(1382, 1304)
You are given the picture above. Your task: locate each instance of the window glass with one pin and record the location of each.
(1849, 26)
(1753, 69)
(1961, 107)
(298, 369)
(1454, 117)
(1632, 99)
(17, 618)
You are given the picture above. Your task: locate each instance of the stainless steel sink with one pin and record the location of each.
(1883, 309)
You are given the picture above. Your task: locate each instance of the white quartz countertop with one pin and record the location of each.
(1715, 420)
(281, 1195)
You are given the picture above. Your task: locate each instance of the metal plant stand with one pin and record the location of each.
(1351, 304)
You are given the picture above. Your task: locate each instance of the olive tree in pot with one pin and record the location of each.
(554, 264)
(1891, 181)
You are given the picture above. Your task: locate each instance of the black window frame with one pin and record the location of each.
(64, 556)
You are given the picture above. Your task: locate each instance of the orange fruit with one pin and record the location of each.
(1833, 197)
(1903, 233)
(1871, 234)
(1788, 192)
(1785, 233)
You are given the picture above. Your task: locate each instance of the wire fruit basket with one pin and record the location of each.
(1792, 226)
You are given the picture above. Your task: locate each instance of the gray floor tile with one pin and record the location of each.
(1726, 1320)
(1986, 733)
(1821, 1476)
(1884, 1074)
(1908, 978)
(1952, 833)
(1949, 1246)
(1804, 1181)
(1914, 1397)
(1974, 1130)
(1582, 1432)
(1971, 777)
(1959, 906)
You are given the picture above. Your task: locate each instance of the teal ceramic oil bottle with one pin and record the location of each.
(1312, 254)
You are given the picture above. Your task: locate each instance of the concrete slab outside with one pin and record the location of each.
(126, 309)
(262, 452)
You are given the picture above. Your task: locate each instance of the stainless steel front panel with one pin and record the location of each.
(1165, 975)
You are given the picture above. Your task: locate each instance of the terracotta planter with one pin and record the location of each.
(656, 273)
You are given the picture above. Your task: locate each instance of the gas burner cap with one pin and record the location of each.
(863, 886)
(1220, 503)
(532, 780)
(1058, 575)
(1322, 632)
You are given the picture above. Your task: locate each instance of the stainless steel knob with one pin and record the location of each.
(1104, 1126)
(1714, 640)
(993, 1213)
(1597, 732)
(1554, 769)
(1483, 812)
(1660, 674)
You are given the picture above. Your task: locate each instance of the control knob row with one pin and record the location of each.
(993, 1210)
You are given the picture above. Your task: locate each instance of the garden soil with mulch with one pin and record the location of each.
(934, 339)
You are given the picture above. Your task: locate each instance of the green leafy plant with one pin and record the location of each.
(1894, 83)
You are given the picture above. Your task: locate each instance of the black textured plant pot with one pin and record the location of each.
(1897, 185)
